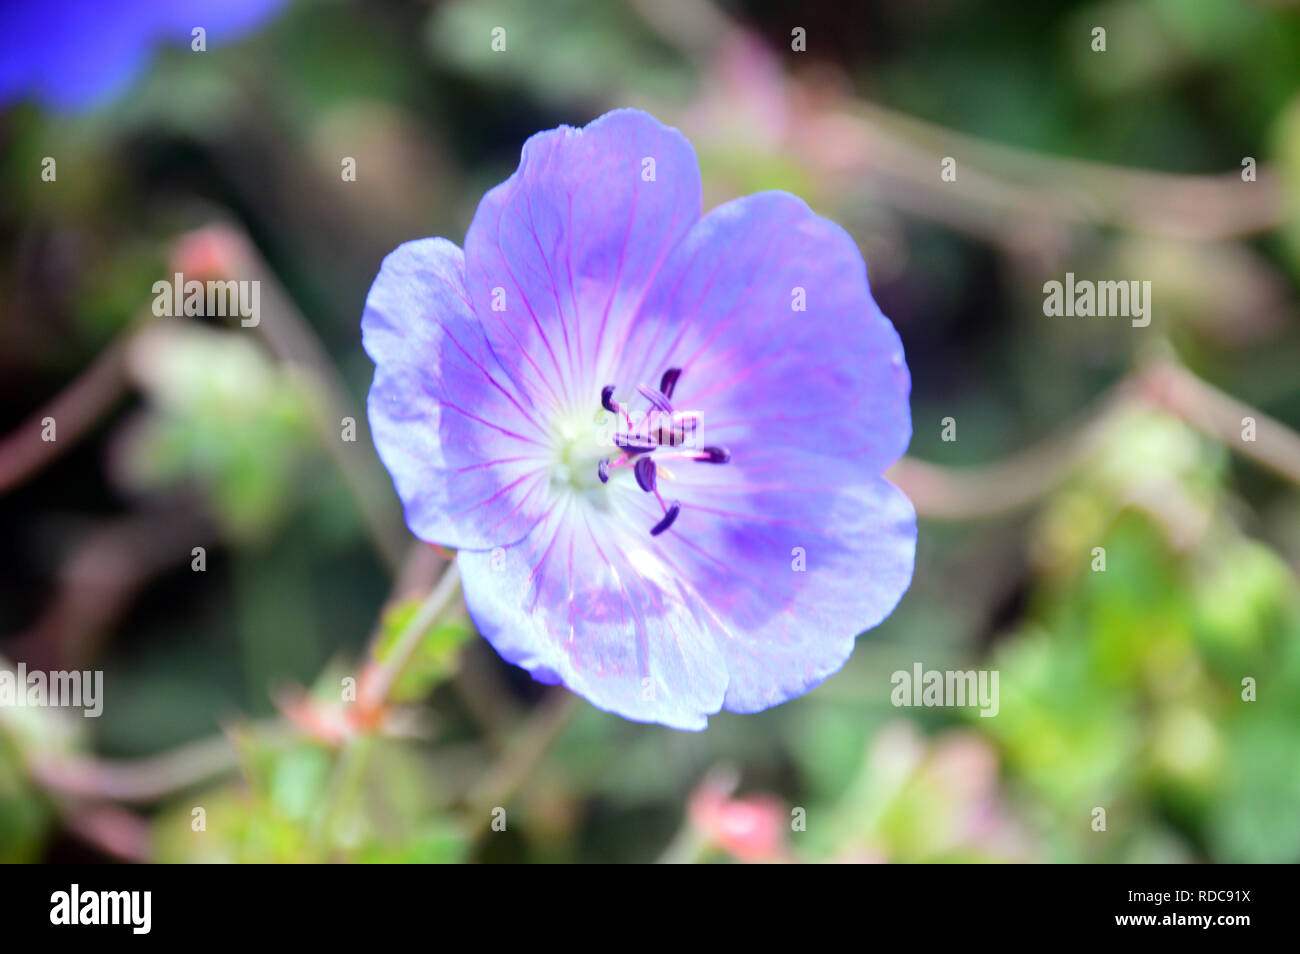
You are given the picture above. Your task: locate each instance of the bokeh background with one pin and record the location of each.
(1120, 689)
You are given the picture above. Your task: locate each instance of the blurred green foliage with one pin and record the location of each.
(220, 415)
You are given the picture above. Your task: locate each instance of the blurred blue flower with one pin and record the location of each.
(72, 54)
(535, 397)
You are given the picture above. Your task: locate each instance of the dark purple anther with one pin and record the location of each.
(645, 474)
(602, 470)
(673, 510)
(607, 399)
(669, 381)
(655, 398)
(633, 445)
(715, 455)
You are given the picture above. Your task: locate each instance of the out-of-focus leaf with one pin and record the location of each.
(1239, 599)
(1254, 819)
(434, 844)
(222, 416)
(301, 802)
(25, 816)
(1060, 728)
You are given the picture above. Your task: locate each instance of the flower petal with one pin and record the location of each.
(463, 447)
(72, 54)
(798, 542)
(562, 253)
(796, 571)
(590, 603)
(69, 58)
(766, 308)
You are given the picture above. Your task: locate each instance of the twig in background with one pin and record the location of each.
(100, 578)
(139, 781)
(75, 410)
(1015, 482)
(1221, 416)
(115, 831)
(845, 140)
(545, 724)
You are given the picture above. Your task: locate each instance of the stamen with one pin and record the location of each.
(638, 448)
(656, 398)
(669, 516)
(607, 399)
(645, 474)
(633, 444)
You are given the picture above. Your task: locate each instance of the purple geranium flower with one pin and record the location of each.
(656, 438)
(70, 54)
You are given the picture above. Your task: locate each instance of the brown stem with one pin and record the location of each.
(136, 780)
(998, 184)
(965, 493)
(107, 568)
(1017, 481)
(544, 726)
(115, 831)
(1218, 415)
(74, 410)
(852, 144)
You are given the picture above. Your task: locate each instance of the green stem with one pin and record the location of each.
(345, 784)
(385, 673)
(350, 767)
